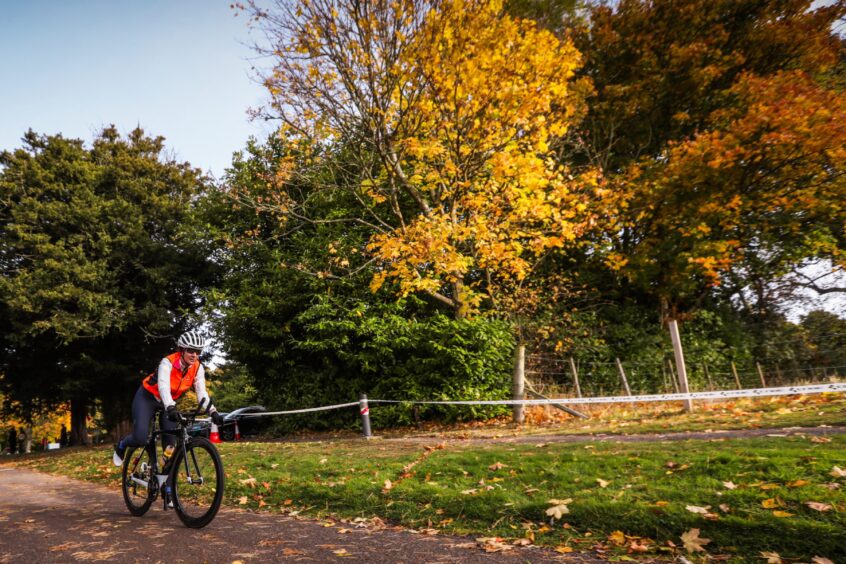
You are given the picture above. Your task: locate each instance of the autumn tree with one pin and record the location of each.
(297, 319)
(718, 128)
(448, 111)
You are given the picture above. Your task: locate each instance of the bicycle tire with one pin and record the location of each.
(195, 504)
(134, 470)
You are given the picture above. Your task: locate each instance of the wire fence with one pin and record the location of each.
(560, 374)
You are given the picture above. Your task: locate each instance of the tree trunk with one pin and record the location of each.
(27, 442)
(460, 299)
(79, 422)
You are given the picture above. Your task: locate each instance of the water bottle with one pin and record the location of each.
(168, 452)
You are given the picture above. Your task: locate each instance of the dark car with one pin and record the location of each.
(247, 426)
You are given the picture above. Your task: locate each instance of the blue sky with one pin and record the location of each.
(178, 68)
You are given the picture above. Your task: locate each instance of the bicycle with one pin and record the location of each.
(195, 494)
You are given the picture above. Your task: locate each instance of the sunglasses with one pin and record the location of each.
(195, 351)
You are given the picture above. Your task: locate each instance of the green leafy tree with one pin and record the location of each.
(296, 312)
(98, 275)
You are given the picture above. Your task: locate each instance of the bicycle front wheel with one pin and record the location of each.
(137, 480)
(198, 483)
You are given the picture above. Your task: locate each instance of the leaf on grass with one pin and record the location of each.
(725, 508)
(782, 514)
(820, 440)
(563, 549)
(558, 511)
(497, 466)
(249, 482)
(602, 483)
(242, 500)
(662, 503)
(797, 483)
(693, 542)
(821, 560)
(729, 485)
(697, 509)
(817, 506)
(771, 557)
(771, 503)
(388, 485)
(639, 546)
(837, 472)
(617, 537)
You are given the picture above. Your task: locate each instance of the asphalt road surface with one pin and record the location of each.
(46, 518)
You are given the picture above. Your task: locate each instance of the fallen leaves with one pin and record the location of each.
(493, 544)
(693, 542)
(837, 472)
(817, 506)
(771, 557)
(559, 508)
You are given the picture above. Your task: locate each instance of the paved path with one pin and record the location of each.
(46, 518)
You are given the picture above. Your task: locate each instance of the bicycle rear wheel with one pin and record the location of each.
(137, 481)
(198, 492)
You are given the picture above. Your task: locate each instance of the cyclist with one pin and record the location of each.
(176, 373)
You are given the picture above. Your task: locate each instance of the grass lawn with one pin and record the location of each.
(622, 418)
(776, 495)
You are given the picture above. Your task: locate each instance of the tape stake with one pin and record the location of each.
(364, 410)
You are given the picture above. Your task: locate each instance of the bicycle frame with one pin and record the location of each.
(183, 439)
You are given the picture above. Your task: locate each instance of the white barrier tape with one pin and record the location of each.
(727, 394)
(308, 410)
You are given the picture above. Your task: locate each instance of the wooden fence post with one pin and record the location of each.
(623, 378)
(680, 367)
(761, 375)
(519, 384)
(575, 377)
(734, 372)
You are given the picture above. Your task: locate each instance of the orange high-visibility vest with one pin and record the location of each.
(180, 381)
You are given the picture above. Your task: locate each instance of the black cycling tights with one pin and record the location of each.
(144, 407)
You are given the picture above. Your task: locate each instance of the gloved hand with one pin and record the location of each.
(172, 414)
(216, 418)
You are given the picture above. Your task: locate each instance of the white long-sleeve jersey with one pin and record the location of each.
(163, 384)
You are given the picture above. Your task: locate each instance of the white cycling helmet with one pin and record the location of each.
(191, 340)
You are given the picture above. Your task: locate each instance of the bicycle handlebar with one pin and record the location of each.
(187, 416)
